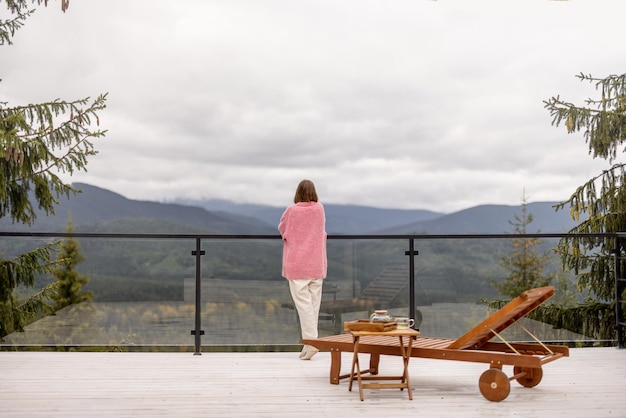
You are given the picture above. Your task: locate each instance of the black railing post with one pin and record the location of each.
(198, 332)
(620, 322)
(411, 253)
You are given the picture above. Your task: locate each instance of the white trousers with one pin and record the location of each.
(307, 296)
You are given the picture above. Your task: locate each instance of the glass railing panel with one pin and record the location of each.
(245, 301)
(454, 281)
(145, 290)
(138, 298)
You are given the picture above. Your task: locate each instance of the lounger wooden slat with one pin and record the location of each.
(504, 317)
(527, 359)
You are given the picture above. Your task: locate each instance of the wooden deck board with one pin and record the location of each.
(42, 384)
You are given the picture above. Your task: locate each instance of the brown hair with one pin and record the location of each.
(305, 192)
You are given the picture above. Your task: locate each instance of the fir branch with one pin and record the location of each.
(604, 127)
(30, 142)
(21, 270)
(38, 304)
(10, 26)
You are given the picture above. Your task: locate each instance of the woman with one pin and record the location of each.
(303, 229)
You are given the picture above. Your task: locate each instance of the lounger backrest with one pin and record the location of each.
(501, 319)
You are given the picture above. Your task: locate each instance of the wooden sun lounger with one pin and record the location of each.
(475, 346)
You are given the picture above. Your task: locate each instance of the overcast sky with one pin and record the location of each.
(389, 103)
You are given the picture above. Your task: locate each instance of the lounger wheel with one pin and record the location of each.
(531, 376)
(494, 385)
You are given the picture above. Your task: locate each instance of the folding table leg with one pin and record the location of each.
(356, 367)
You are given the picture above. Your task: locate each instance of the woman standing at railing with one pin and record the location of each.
(303, 229)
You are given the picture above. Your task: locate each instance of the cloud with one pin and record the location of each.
(411, 104)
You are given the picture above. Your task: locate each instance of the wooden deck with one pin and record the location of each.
(590, 382)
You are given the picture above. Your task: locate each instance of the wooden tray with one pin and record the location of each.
(366, 325)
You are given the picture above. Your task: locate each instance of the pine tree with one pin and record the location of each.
(602, 199)
(69, 281)
(38, 143)
(524, 265)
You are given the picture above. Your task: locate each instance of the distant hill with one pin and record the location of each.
(492, 219)
(353, 219)
(97, 209)
(340, 219)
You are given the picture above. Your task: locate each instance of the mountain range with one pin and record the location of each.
(99, 210)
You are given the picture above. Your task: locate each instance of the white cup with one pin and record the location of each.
(404, 323)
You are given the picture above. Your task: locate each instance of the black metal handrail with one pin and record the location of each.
(197, 332)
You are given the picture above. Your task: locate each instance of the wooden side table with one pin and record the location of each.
(407, 335)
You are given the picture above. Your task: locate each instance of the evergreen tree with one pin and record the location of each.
(69, 281)
(524, 265)
(39, 142)
(601, 200)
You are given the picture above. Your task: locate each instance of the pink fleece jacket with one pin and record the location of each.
(303, 228)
